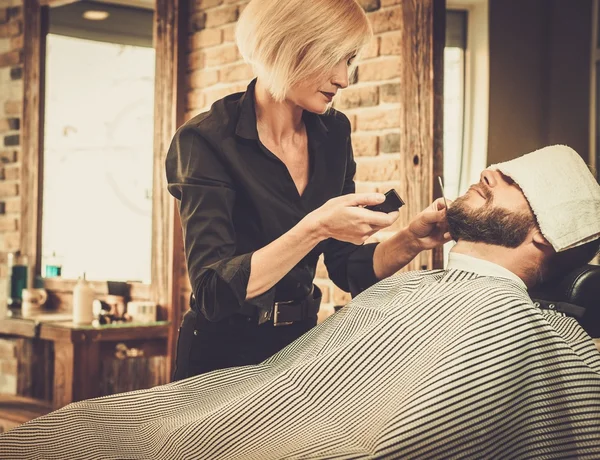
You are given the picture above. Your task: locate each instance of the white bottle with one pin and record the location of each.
(83, 302)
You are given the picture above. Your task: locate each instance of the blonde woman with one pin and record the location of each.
(265, 186)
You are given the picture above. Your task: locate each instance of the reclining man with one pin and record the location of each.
(432, 364)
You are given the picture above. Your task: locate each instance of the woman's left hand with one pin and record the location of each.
(429, 227)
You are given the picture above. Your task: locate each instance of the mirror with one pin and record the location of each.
(97, 144)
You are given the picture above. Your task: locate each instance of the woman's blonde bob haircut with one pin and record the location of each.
(288, 42)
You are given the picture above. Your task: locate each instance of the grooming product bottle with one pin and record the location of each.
(17, 277)
(83, 302)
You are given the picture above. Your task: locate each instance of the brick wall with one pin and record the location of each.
(372, 103)
(11, 106)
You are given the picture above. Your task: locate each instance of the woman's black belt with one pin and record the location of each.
(288, 312)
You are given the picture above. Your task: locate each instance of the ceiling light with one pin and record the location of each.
(94, 15)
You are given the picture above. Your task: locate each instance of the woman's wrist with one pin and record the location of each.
(313, 229)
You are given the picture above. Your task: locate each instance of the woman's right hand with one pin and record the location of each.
(345, 219)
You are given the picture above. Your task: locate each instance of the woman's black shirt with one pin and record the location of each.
(236, 197)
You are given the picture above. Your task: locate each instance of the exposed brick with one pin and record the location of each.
(229, 33)
(10, 29)
(352, 118)
(365, 145)
(12, 172)
(370, 5)
(385, 20)
(16, 73)
(16, 43)
(216, 93)
(371, 50)
(9, 224)
(380, 69)
(218, 56)
(8, 156)
(195, 99)
(220, 16)
(9, 189)
(12, 206)
(340, 297)
(203, 78)
(206, 38)
(12, 140)
(12, 241)
(235, 72)
(389, 93)
(9, 124)
(14, 107)
(378, 119)
(11, 58)
(364, 96)
(390, 143)
(366, 187)
(378, 169)
(198, 21)
(391, 44)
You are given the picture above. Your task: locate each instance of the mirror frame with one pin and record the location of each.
(170, 44)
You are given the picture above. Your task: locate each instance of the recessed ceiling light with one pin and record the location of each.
(94, 15)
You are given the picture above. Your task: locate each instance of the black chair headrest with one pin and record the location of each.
(577, 295)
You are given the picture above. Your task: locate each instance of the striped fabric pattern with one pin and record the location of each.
(435, 364)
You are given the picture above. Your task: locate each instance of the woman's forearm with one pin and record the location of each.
(271, 263)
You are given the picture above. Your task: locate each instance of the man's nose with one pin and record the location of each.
(488, 177)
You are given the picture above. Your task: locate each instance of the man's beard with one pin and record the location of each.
(488, 224)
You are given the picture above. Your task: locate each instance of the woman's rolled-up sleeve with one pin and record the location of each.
(199, 180)
(350, 266)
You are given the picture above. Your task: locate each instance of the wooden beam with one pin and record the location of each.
(170, 43)
(421, 118)
(33, 45)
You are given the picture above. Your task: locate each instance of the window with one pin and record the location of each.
(98, 145)
(454, 99)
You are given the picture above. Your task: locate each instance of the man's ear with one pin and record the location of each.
(538, 238)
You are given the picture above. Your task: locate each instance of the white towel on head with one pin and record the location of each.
(562, 192)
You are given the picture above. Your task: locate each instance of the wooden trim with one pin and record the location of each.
(438, 43)
(32, 134)
(171, 42)
(421, 117)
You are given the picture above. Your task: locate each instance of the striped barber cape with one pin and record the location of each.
(434, 364)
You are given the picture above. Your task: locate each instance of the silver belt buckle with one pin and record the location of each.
(276, 321)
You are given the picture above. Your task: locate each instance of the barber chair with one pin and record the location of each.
(576, 295)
